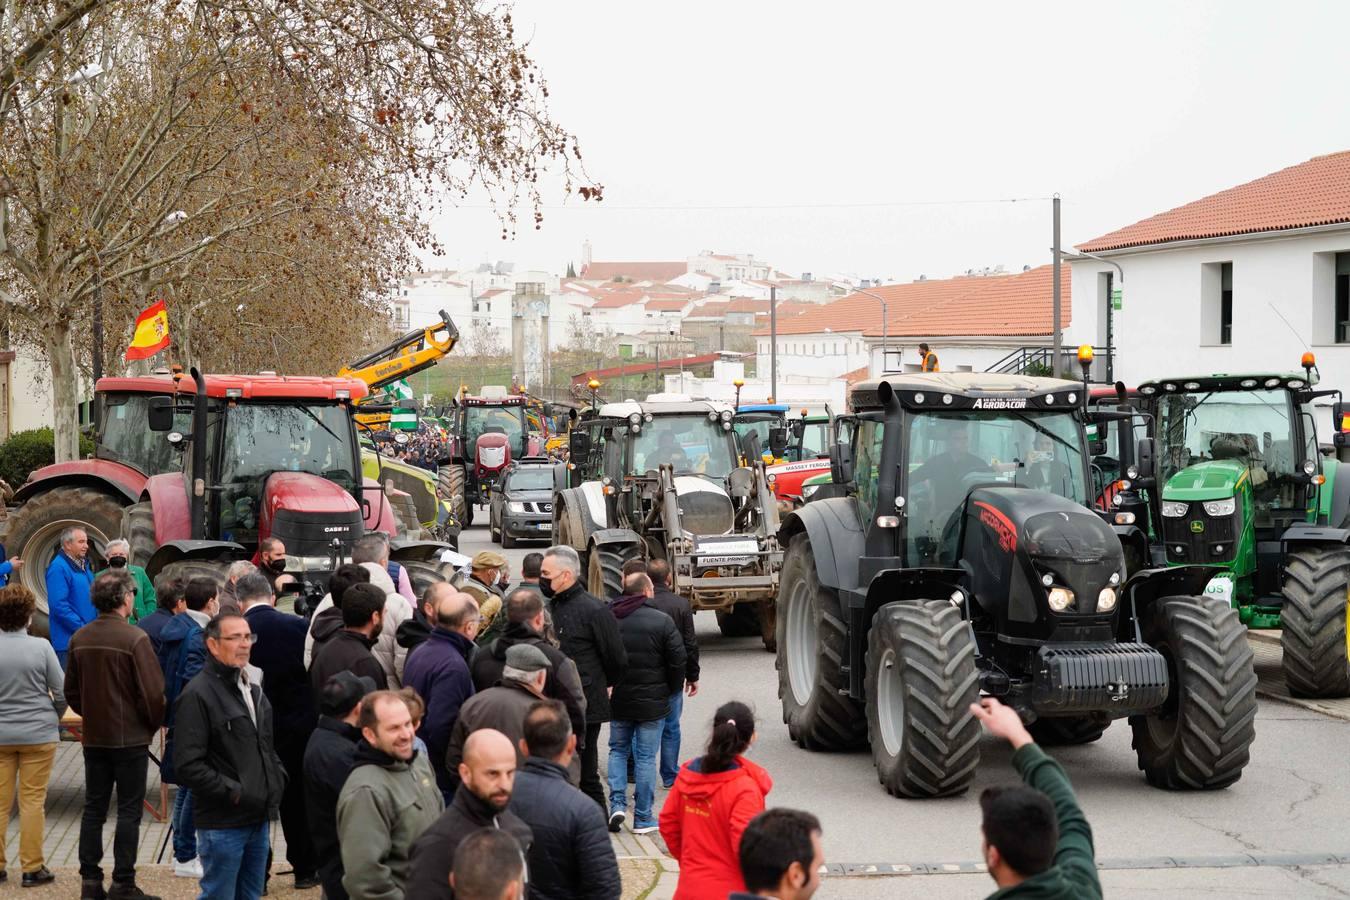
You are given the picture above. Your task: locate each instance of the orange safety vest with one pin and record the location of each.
(930, 362)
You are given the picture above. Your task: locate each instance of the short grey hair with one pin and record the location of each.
(68, 533)
(238, 569)
(370, 548)
(253, 587)
(117, 544)
(566, 557)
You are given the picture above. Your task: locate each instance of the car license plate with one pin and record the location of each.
(544, 526)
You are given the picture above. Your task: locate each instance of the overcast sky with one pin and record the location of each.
(818, 136)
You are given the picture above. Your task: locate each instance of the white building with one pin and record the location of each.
(1244, 280)
(725, 267)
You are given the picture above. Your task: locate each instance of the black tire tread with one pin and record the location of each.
(1313, 622)
(450, 486)
(425, 572)
(138, 527)
(607, 562)
(742, 620)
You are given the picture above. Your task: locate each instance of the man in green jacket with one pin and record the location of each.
(388, 800)
(117, 552)
(1036, 841)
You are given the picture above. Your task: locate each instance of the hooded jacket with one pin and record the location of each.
(563, 682)
(433, 854)
(385, 805)
(655, 661)
(590, 636)
(413, 632)
(387, 651)
(1074, 872)
(345, 651)
(702, 822)
(571, 857)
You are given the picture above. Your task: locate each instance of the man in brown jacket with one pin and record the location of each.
(503, 708)
(114, 682)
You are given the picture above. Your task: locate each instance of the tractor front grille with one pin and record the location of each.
(1212, 541)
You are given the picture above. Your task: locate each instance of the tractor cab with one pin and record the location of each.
(768, 423)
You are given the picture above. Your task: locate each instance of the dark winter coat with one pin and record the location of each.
(227, 760)
(563, 682)
(345, 651)
(329, 756)
(327, 622)
(655, 661)
(433, 854)
(571, 857)
(501, 708)
(439, 671)
(153, 625)
(590, 636)
(678, 609)
(280, 654)
(412, 632)
(114, 682)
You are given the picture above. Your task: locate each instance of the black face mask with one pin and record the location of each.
(277, 566)
(117, 562)
(546, 586)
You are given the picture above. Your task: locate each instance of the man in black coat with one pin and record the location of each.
(328, 759)
(641, 701)
(486, 777)
(589, 635)
(224, 753)
(571, 857)
(280, 654)
(675, 606)
(349, 650)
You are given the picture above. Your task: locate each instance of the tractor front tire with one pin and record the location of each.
(604, 569)
(188, 569)
(921, 682)
(423, 573)
(138, 527)
(1201, 737)
(742, 620)
(1313, 622)
(1066, 731)
(35, 534)
(450, 486)
(812, 643)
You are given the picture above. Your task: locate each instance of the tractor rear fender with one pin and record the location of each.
(1301, 535)
(211, 551)
(1146, 586)
(1135, 544)
(100, 474)
(168, 498)
(837, 540)
(419, 551)
(1335, 494)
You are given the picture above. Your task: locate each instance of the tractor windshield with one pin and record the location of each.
(951, 454)
(694, 445)
(1255, 428)
(265, 438)
(480, 420)
(124, 438)
(757, 423)
(814, 442)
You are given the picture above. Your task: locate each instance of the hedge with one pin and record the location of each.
(29, 450)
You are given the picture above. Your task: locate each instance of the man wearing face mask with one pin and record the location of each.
(272, 559)
(117, 553)
(589, 634)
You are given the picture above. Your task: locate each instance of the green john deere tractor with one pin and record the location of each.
(1245, 490)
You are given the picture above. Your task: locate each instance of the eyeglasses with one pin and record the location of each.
(235, 638)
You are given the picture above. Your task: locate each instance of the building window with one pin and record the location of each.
(1216, 306)
(1343, 298)
(1226, 305)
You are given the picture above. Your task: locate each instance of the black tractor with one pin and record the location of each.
(956, 555)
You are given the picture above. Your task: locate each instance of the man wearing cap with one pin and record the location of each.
(503, 707)
(484, 573)
(329, 756)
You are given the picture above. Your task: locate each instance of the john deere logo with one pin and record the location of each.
(1197, 527)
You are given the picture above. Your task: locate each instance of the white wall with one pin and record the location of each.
(791, 389)
(30, 394)
(818, 355)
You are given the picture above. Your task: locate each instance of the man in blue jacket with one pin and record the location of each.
(70, 582)
(439, 671)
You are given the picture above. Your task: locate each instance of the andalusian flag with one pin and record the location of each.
(152, 332)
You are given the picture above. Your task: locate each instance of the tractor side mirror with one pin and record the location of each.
(1143, 462)
(160, 414)
(750, 448)
(778, 441)
(841, 464)
(579, 447)
(1097, 448)
(1339, 437)
(798, 428)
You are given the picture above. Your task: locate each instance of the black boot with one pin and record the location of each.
(128, 891)
(91, 889)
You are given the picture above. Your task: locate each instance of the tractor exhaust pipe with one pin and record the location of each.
(197, 496)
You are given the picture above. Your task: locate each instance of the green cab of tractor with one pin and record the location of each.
(1247, 492)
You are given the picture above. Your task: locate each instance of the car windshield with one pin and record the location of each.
(479, 420)
(950, 454)
(531, 478)
(693, 444)
(1251, 427)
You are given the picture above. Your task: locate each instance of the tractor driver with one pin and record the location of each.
(1044, 472)
(668, 451)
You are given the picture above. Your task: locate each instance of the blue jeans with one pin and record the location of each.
(184, 829)
(641, 739)
(234, 862)
(670, 740)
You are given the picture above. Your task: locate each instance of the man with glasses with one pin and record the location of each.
(224, 752)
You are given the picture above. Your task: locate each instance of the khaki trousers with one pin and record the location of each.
(32, 763)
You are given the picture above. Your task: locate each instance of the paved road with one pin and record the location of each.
(1260, 837)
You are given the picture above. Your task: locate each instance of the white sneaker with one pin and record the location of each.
(190, 869)
(646, 829)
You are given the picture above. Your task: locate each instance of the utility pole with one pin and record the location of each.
(773, 341)
(1058, 338)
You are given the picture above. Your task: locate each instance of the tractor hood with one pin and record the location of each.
(308, 513)
(1216, 479)
(705, 506)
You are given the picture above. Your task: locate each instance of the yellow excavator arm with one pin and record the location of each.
(410, 354)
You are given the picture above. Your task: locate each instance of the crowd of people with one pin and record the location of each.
(426, 447)
(446, 746)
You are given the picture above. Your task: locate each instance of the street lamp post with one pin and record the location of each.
(885, 337)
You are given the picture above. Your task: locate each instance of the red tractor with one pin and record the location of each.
(195, 471)
(489, 431)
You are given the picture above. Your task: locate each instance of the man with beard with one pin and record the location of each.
(350, 649)
(389, 799)
(272, 560)
(487, 774)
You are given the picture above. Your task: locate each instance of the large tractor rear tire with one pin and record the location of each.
(604, 569)
(921, 681)
(188, 569)
(1200, 739)
(1313, 622)
(35, 534)
(1066, 731)
(138, 527)
(742, 620)
(405, 514)
(425, 572)
(450, 486)
(812, 637)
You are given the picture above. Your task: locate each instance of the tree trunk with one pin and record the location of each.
(59, 343)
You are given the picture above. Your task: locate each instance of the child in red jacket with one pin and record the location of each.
(714, 798)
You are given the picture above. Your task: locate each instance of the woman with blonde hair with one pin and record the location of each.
(31, 703)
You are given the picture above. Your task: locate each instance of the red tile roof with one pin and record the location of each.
(1316, 192)
(666, 305)
(617, 299)
(660, 272)
(1004, 305)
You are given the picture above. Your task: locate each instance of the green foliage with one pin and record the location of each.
(29, 450)
(1039, 370)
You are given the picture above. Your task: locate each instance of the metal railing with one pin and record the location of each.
(1040, 361)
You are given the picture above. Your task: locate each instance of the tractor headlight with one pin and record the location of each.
(726, 415)
(1309, 467)
(1220, 508)
(635, 419)
(1106, 600)
(1174, 509)
(516, 507)
(1060, 599)
(809, 490)
(1132, 472)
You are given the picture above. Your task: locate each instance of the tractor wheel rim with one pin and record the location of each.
(890, 703)
(801, 644)
(42, 546)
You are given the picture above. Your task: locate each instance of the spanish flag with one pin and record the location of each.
(152, 332)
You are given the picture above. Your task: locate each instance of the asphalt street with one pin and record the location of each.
(1280, 831)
